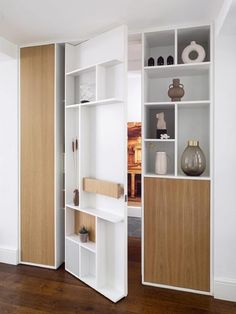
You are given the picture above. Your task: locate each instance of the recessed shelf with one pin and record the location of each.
(109, 101)
(190, 69)
(91, 246)
(98, 213)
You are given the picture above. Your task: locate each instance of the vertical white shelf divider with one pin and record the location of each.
(176, 140)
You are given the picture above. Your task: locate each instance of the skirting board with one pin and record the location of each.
(225, 289)
(9, 256)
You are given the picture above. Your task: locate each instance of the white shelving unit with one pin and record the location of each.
(100, 67)
(189, 118)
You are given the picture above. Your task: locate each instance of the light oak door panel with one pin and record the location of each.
(177, 233)
(37, 154)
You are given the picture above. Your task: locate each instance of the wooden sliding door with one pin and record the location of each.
(37, 154)
(177, 233)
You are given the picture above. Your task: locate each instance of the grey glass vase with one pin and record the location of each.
(193, 161)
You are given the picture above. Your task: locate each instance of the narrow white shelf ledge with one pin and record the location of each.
(109, 101)
(91, 246)
(158, 140)
(98, 213)
(111, 293)
(80, 71)
(190, 69)
(171, 176)
(171, 103)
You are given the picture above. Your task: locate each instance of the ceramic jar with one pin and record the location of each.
(176, 90)
(194, 53)
(161, 163)
(193, 161)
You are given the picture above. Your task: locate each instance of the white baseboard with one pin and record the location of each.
(9, 256)
(225, 289)
(134, 211)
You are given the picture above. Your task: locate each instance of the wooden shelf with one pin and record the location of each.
(91, 246)
(190, 69)
(109, 101)
(103, 187)
(98, 213)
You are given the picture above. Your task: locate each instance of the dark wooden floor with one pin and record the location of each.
(25, 289)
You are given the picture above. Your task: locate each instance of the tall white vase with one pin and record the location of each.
(161, 163)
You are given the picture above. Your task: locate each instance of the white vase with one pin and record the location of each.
(161, 163)
(201, 54)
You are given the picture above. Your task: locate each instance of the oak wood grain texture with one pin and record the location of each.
(103, 187)
(37, 154)
(25, 289)
(83, 219)
(177, 233)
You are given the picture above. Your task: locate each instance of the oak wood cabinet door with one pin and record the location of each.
(177, 233)
(37, 154)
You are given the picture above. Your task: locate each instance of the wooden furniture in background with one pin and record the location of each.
(41, 111)
(177, 233)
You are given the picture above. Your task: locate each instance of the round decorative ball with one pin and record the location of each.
(194, 53)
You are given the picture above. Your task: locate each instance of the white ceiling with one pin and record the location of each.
(32, 21)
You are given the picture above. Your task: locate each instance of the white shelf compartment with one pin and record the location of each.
(91, 246)
(195, 79)
(161, 43)
(150, 149)
(194, 124)
(151, 120)
(98, 213)
(201, 35)
(87, 266)
(110, 265)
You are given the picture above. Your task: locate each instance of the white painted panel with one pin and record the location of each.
(72, 257)
(107, 46)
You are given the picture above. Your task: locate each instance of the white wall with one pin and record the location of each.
(8, 153)
(225, 168)
(134, 97)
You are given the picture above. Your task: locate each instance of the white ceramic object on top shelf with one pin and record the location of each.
(193, 47)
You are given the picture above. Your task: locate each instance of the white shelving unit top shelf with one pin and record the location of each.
(91, 246)
(98, 213)
(109, 101)
(80, 71)
(190, 69)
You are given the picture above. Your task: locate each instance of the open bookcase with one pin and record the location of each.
(187, 119)
(95, 72)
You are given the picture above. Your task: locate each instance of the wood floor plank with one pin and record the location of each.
(26, 290)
